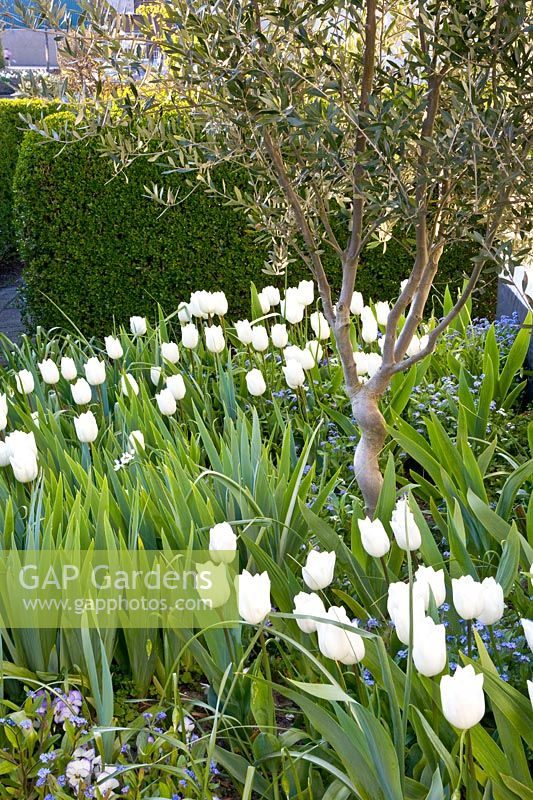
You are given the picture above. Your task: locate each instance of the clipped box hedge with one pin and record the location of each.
(101, 251)
(12, 130)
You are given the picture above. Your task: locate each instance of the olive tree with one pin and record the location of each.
(351, 118)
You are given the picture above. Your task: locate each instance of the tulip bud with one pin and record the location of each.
(189, 336)
(374, 537)
(170, 352)
(462, 698)
(294, 374)
(316, 350)
(24, 465)
(428, 579)
(259, 338)
(3, 421)
(311, 605)
(86, 427)
(527, 625)
(155, 375)
(404, 527)
(184, 313)
(429, 647)
(113, 347)
(338, 643)
(5, 454)
(176, 386)
(319, 325)
(219, 303)
(318, 570)
(493, 605)
(399, 610)
(222, 543)
(166, 402)
(291, 307)
(136, 441)
(138, 326)
(25, 381)
(414, 346)
(214, 339)
(263, 302)
(306, 292)
(49, 371)
(95, 371)
(467, 597)
(254, 596)
(243, 329)
(357, 303)
(424, 341)
(81, 392)
(361, 362)
(68, 369)
(129, 385)
(303, 356)
(369, 330)
(272, 295)
(215, 591)
(279, 335)
(255, 382)
(20, 440)
(373, 363)
(381, 310)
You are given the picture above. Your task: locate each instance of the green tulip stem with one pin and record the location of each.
(457, 792)
(385, 569)
(272, 725)
(469, 637)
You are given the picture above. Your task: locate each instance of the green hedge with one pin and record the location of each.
(12, 130)
(101, 251)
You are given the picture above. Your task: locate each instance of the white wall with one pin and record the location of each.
(28, 48)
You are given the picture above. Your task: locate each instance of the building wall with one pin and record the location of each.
(30, 48)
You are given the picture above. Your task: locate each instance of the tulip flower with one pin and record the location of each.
(404, 527)
(428, 578)
(318, 570)
(3, 411)
(184, 313)
(357, 303)
(24, 465)
(155, 375)
(49, 371)
(170, 352)
(20, 440)
(220, 303)
(166, 402)
(176, 385)
(306, 292)
(493, 605)
(243, 329)
(308, 604)
(86, 427)
(3, 421)
(254, 596)
(291, 307)
(374, 537)
(272, 295)
(68, 369)
(259, 338)
(212, 584)
(25, 381)
(319, 325)
(255, 382)
(414, 346)
(361, 362)
(381, 310)
(338, 643)
(129, 385)
(373, 363)
(263, 302)
(136, 441)
(294, 374)
(81, 392)
(189, 336)
(5, 455)
(95, 371)
(196, 304)
(316, 350)
(527, 625)
(222, 543)
(138, 326)
(279, 335)
(467, 597)
(462, 698)
(113, 347)
(429, 647)
(206, 303)
(369, 330)
(399, 610)
(214, 339)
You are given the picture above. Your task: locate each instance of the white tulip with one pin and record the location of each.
(220, 303)
(20, 440)
(369, 330)
(291, 307)
(429, 647)
(272, 295)
(113, 347)
(279, 335)
(3, 404)
(462, 698)
(414, 346)
(263, 302)
(128, 385)
(467, 597)
(68, 369)
(254, 596)
(81, 392)
(319, 569)
(105, 782)
(222, 543)
(170, 352)
(424, 341)
(5, 455)
(527, 625)
(428, 578)
(95, 371)
(320, 325)
(382, 311)
(361, 362)
(294, 374)
(138, 326)
(136, 441)
(194, 306)
(3, 421)
(373, 363)
(398, 608)
(189, 336)
(184, 313)
(176, 385)
(215, 590)
(259, 338)
(357, 303)
(306, 292)
(255, 382)
(303, 356)
(49, 371)
(24, 465)
(214, 339)
(86, 427)
(374, 537)
(243, 329)
(155, 375)
(493, 605)
(25, 381)
(404, 527)
(311, 605)
(316, 350)
(166, 402)
(207, 303)
(338, 643)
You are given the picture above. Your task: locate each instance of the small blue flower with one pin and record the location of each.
(42, 776)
